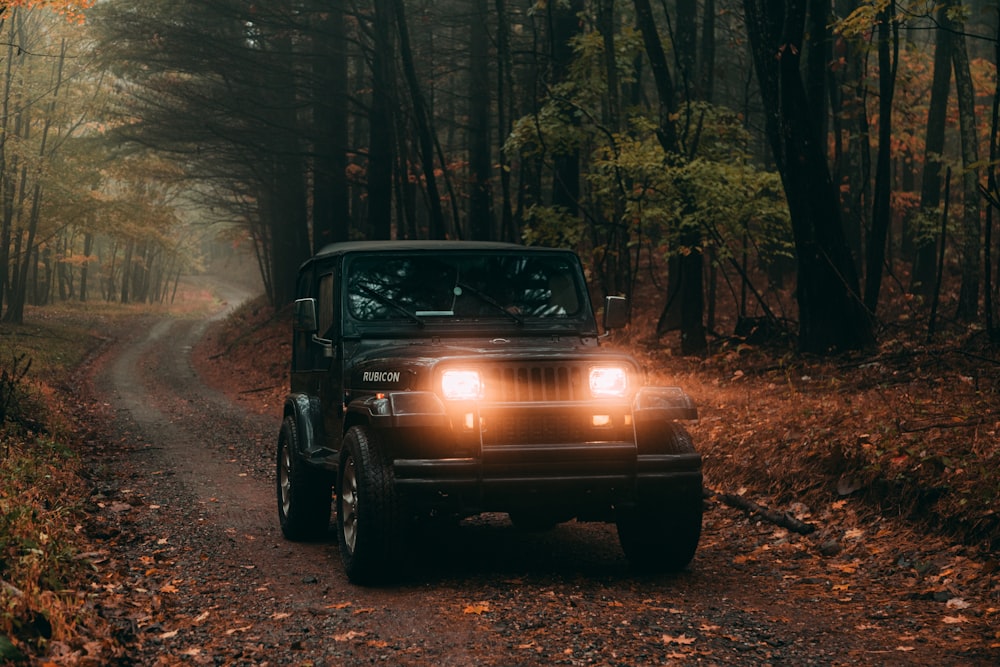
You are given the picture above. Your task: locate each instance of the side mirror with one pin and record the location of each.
(304, 316)
(615, 312)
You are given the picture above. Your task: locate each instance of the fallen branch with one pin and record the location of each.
(258, 390)
(782, 519)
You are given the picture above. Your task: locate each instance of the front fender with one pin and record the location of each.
(308, 416)
(663, 404)
(655, 411)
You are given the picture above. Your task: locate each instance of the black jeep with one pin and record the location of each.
(453, 378)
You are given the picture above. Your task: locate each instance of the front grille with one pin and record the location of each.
(513, 429)
(534, 383)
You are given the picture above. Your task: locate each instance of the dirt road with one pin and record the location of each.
(189, 522)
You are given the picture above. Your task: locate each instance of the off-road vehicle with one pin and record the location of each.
(454, 378)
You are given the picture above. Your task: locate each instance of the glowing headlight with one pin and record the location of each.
(608, 381)
(461, 385)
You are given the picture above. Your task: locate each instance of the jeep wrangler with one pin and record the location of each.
(453, 378)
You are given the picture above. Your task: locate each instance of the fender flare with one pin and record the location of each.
(663, 404)
(308, 416)
(655, 409)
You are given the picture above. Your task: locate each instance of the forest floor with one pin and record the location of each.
(852, 519)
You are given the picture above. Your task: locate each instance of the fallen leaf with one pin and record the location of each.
(953, 620)
(339, 605)
(683, 640)
(478, 608)
(846, 568)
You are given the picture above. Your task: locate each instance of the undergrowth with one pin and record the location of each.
(47, 580)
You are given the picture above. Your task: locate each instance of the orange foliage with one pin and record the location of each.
(73, 10)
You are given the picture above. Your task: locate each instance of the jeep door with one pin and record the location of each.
(328, 355)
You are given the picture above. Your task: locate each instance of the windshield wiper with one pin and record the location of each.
(367, 291)
(487, 299)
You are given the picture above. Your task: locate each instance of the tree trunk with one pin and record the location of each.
(831, 315)
(888, 57)
(685, 302)
(381, 145)
(706, 61)
(19, 295)
(931, 183)
(818, 57)
(667, 128)
(126, 269)
(968, 298)
(480, 158)
(564, 24)
(849, 120)
(331, 210)
(6, 169)
(993, 195)
(617, 265)
(88, 244)
(425, 131)
(505, 114)
(286, 213)
(685, 38)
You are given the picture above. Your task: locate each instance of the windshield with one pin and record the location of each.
(500, 286)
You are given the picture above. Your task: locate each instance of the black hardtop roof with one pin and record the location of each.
(423, 246)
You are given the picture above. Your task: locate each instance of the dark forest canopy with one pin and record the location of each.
(744, 163)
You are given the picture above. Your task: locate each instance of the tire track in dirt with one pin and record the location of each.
(180, 445)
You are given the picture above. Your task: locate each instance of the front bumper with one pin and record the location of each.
(580, 455)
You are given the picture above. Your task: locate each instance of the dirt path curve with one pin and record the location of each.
(189, 522)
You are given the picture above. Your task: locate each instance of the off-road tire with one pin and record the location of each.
(304, 494)
(663, 537)
(368, 509)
